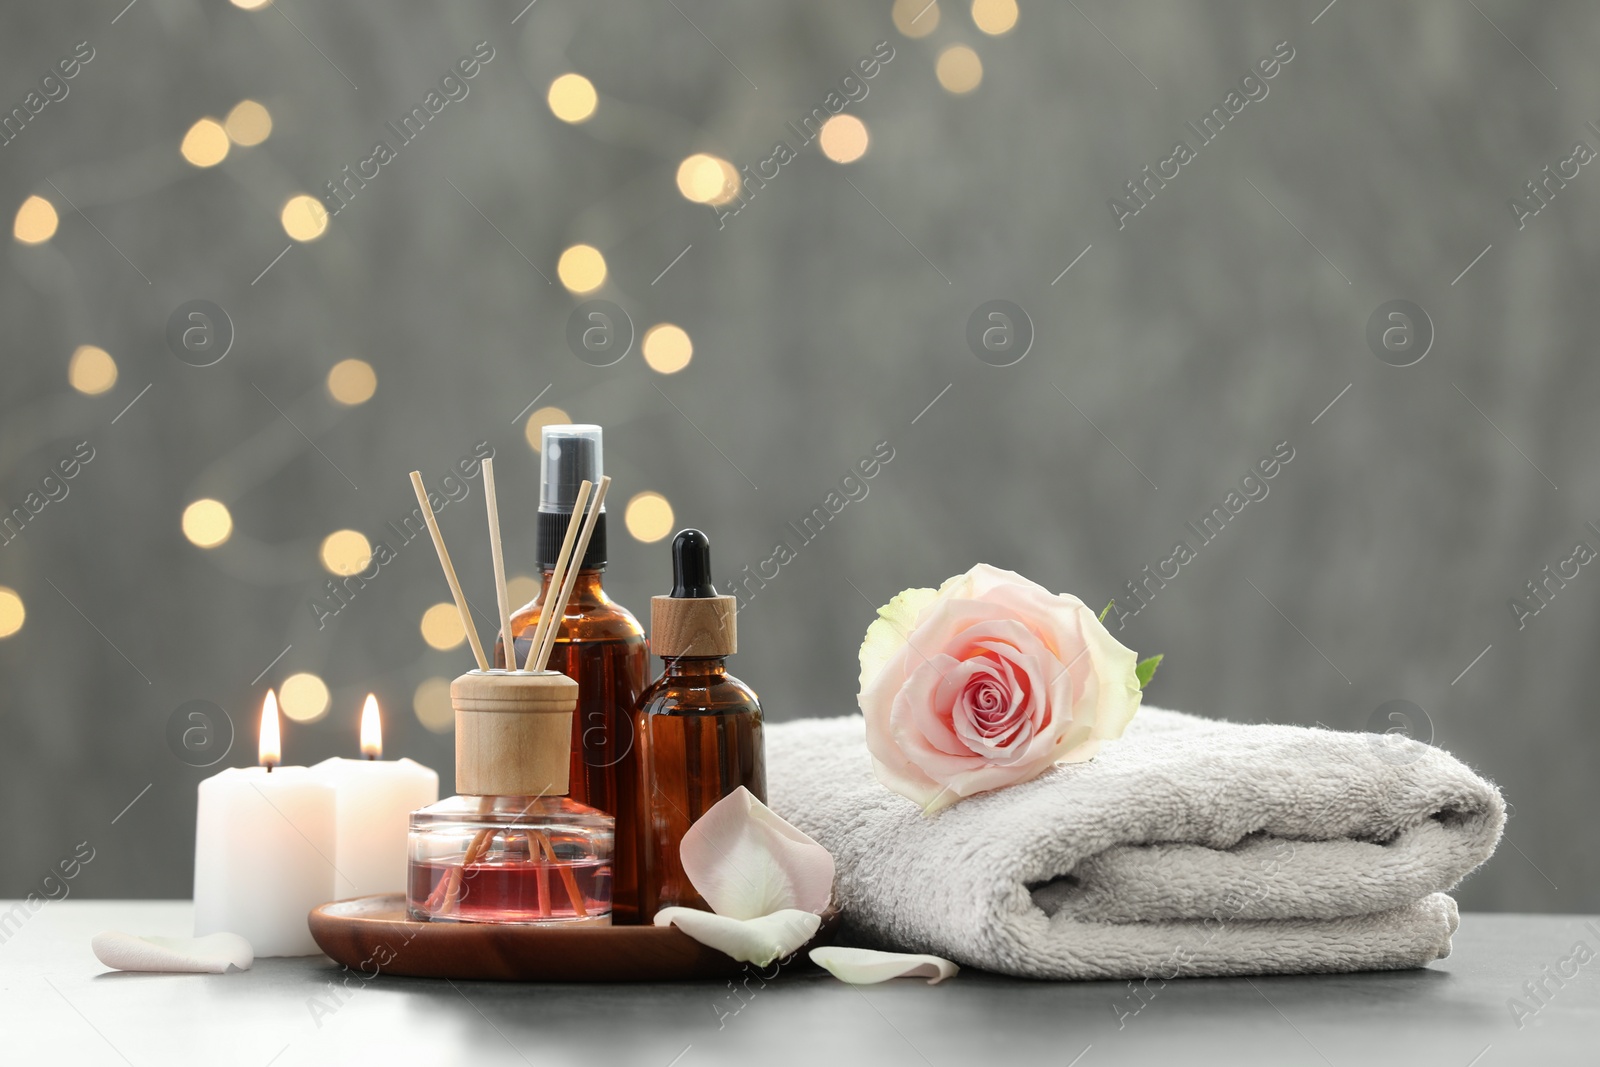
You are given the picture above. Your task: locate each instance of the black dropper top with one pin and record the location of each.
(691, 566)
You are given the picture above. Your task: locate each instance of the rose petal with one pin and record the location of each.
(758, 941)
(747, 862)
(865, 966)
(212, 954)
(889, 630)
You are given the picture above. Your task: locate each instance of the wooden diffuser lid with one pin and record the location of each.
(513, 732)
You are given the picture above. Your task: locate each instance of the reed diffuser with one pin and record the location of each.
(512, 847)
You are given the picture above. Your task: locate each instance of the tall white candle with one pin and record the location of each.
(373, 812)
(264, 850)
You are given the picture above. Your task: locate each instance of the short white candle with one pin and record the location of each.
(375, 800)
(264, 850)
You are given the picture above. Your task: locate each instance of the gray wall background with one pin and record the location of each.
(825, 319)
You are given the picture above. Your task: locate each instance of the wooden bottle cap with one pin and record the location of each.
(513, 732)
(693, 626)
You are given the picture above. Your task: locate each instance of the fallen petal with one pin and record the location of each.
(212, 954)
(747, 862)
(865, 966)
(758, 941)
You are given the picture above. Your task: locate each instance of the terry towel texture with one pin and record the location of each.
(1190, 847)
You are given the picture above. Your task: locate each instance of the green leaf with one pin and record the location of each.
(1146, 669)
(1106, 612)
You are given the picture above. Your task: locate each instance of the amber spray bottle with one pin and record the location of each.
(600, 645)
(699, 727)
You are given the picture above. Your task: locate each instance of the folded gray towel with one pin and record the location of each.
(1189, 847)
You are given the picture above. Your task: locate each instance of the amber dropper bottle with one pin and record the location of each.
(600, 645)
(699, 727)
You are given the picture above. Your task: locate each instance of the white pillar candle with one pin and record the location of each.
(375, 800)
(264, 850)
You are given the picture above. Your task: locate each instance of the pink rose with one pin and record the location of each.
(988, 681)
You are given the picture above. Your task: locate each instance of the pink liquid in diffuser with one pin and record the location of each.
(504, 890)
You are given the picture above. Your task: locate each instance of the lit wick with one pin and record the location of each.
(371, 729)
(270, 752)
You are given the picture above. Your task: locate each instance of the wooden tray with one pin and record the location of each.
(373, 935)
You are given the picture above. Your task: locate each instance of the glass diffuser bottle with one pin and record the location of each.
(511, 848)
(599, 644)
(699, 727)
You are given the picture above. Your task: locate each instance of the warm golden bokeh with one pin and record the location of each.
(843, 138)
(666, 348)
(206, 143)
(207, 523)
(649, 517)
(12, 612)
(91, 370)
(915, 18)
(352, 382)
(248, 124)
(346, 552)
(304, 697)
(432, 704)
(582, 268)
(522, 589)
(251, 5)
(539, 420)
(994, 17)
(959, 69)
(707, 179)
(572, 98)
(36, 221)
(441, 627)
(304, 218)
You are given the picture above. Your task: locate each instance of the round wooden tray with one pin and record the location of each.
(373, 935)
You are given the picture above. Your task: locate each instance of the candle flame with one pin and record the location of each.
(271, 748)
(371, 729)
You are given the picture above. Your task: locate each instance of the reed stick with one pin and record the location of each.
(558, 575)
(449, 570)
(574, 565)
(497, 554)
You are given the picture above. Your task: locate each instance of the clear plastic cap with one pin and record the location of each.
(570, 454)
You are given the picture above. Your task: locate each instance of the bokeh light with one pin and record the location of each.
(522, 588)
(303, 697)
(346, 552)
(959, 69)
(304, 218)
(251, 5)
(707, 179)
(91, 370)
(915, 18)
(539, 420)
(666, 348)
(207, 523)
(441, 627)
(582, 268)
(352, 382)
(206, 143)
(843, 138)
(248, 124)
(12, 612)
(432, 704)
(572, 98)
(648, 517)
(994, 17)
(36, 221)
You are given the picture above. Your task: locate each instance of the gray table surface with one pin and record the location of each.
(58, 1005)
